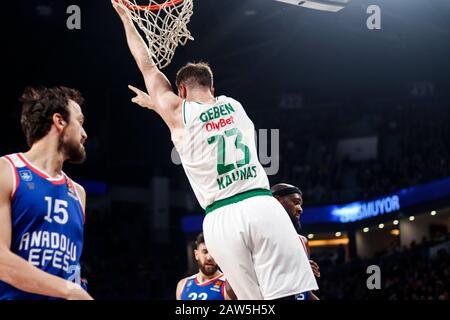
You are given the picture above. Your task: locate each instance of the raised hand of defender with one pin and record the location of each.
(142, 98)
(315, 268)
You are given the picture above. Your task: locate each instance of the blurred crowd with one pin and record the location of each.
(418, 272)
(413, 147)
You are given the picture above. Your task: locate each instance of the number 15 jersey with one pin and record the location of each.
(218, 150)
(47, 224)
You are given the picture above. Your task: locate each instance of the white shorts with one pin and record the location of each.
(255, 244)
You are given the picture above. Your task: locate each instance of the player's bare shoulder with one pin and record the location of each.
(180, 287)
(6, 178)
(81, 193)
(176, 119)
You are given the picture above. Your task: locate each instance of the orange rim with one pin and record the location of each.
(153, 7)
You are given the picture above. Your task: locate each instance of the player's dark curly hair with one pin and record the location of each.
(40, 104)
(199, 240)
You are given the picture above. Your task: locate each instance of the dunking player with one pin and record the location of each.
(209, 283)
(246, 229)
(291, 198)
(41, 209)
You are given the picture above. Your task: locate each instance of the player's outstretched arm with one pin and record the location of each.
(137, 46)
(18, 272)
(142, 99)
(165, 102)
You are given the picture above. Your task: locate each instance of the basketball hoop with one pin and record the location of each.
(164, 24)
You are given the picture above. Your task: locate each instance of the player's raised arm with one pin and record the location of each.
(18, 272)
(137, 46)
(166, 102)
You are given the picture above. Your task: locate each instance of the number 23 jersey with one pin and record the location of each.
(218, 151)
(213, 289)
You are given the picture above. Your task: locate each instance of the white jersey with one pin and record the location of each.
(218, 150)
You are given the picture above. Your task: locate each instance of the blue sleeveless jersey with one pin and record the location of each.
(213, 289)
(47, 224)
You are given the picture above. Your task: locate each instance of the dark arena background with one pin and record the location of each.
(352, 109)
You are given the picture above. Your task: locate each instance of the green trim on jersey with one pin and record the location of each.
(236, 198)
(184, 111)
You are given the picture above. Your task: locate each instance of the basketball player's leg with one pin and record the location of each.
(281, 265)
(226, 240)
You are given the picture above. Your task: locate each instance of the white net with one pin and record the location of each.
(164, 24)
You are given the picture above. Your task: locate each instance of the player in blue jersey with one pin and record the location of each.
(209, 283)
(41, 208)
(291, 198)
